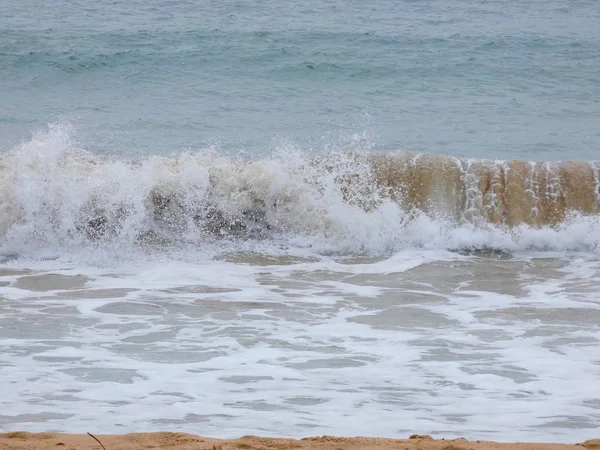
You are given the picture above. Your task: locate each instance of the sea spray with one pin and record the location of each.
(54, 193)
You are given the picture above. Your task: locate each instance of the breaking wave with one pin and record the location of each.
(53, 193)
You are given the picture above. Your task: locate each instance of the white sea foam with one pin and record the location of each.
(455, 345)
(337, 312)
(57, 199)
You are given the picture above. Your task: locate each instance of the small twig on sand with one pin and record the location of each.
(97, 440)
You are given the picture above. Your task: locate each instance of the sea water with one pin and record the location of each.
(293, 219)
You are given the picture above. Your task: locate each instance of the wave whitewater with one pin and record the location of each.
(52, 192)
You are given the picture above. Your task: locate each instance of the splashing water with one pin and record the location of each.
(55, 194)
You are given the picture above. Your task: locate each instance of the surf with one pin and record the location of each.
(53, 191)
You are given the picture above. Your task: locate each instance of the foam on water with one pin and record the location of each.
(433, 342)
(294, 296)
(308, 285)
(55, 197)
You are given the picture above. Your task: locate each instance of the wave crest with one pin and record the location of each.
(52, 192)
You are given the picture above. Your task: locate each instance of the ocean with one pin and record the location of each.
(301, 218)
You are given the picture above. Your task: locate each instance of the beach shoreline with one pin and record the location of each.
(183, 441)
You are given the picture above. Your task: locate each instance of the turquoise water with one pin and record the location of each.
(470, 78)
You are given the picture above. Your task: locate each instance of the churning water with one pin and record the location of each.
(301, 218)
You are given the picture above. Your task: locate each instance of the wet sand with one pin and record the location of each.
(176, 441)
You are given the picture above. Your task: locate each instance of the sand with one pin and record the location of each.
(182, 441)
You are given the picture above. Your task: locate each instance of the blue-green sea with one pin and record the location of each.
(495, 79)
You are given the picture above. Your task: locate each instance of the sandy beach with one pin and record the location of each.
(176, 441)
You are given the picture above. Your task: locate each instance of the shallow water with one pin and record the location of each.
(498, 347)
